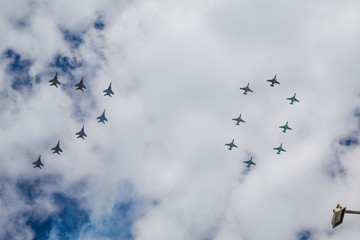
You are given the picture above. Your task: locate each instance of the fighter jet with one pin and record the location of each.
(293, 99)
(238, 120)
(82, 133)
(285, 127)
(102, 118)
(38, 163)
(250, 162)
(108, 91)
(54, 81)
(246, 89)
(80, 85)
(57, 148)
(279, 149)
(273, 81)
(231, 145)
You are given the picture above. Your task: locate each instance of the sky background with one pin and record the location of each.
(159, 169)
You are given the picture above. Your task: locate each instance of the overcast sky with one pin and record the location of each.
(159, 168)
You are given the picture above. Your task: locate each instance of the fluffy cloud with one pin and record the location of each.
(158, 169)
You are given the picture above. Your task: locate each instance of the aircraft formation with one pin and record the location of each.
(81, 134)
(239, 120)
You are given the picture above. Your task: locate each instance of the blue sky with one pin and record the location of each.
(159, 169)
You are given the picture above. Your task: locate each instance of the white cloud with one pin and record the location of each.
(176, 69)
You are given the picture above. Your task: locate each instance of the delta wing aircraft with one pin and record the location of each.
(38, 163)
(231, 145)
(238, 120)
(80, 85)
(57, 148)
(246, 89)
(102, 118)
(279, 149)
(293, 99)
(54, 81)
(273, 81)
(285, 127)
(250, 162)
(108, 91)
(82, 133)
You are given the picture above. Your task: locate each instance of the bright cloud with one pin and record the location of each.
(158, 169)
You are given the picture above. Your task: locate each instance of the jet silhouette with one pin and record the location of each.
(80, 85)
(250, 162)
(102, 118)
(82, 133)
(285, 127)
(54, 81)
(108, 91)
(231, 145)
(246, 89)
(293, 99)
(273, 81)
(238, 120)
(279, 149)
(38, 163)
(57, 148)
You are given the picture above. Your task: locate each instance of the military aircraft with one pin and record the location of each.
(54, 81)
(273, 81)
(238, 120)
(102, 118)
(108, 91)
(250, 162)
(38, 163)
(279, 149)
(57, 148)
(82, 133)
(285, 127)
(293, 99)
(231, 145)
(80, 85)
(246, 89)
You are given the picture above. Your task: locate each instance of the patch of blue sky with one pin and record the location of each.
(70, 218)
(32, 188)
(99, 24)
(18, 70)
(73, 39)
(304, 235)
(40, 227)
(117, 225)
(349, 141)
(66, 64)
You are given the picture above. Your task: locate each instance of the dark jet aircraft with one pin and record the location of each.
(246, 89)
(82, 133)
(279, 149)
(54, 81)
(108, 91)
(102, 118)
(231, 145)
(273, 81)
(285, 127)
(57, 148)
(238, 120)
(250, 162)
(38, 163)
(80, 85)
(293, 99)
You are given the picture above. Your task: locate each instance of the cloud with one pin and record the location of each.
(158, 169)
